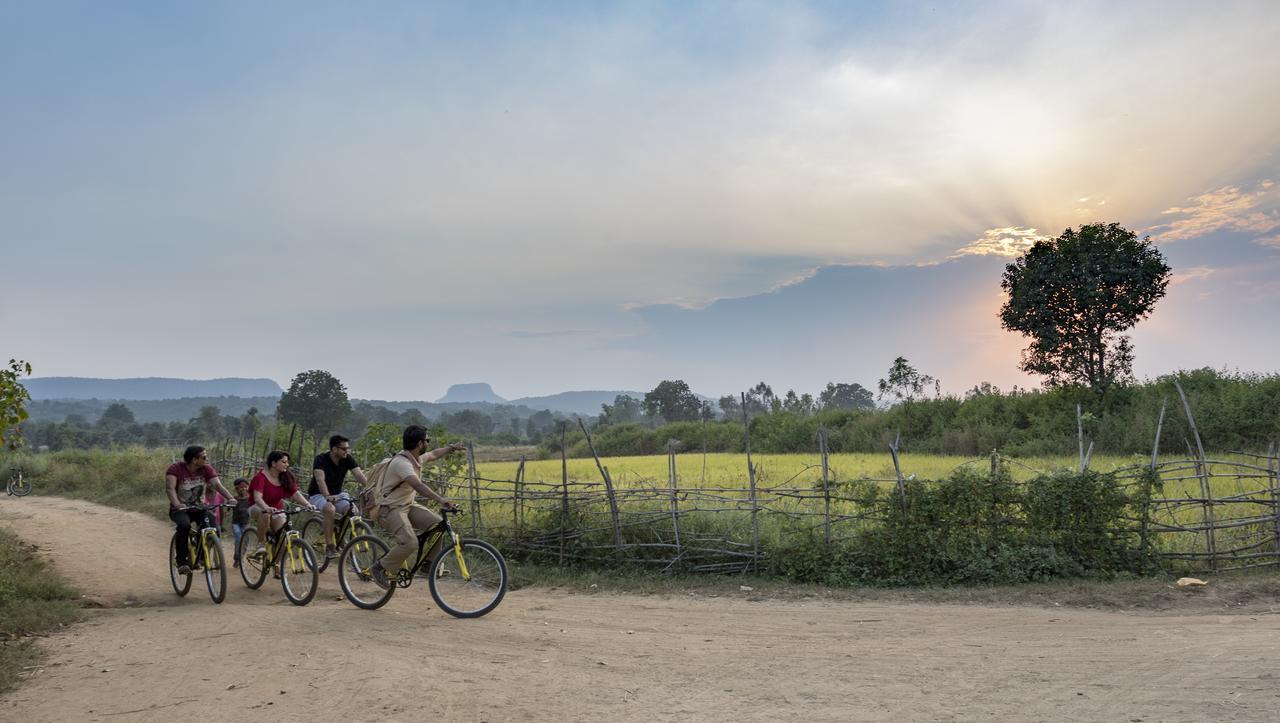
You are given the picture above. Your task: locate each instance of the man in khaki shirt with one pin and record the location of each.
(400, 515)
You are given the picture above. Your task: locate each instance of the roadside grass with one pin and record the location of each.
(1239, 591)
(33, 600)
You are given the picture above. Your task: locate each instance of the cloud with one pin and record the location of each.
(1227, 208)
(521, 334)
(1272, 241)
(1193, 274)
(1010, 242)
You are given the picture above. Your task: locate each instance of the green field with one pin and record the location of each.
(724, 470)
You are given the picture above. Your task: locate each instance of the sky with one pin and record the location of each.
(561, 196)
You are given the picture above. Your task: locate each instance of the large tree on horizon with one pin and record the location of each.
(315, 401)
(1073, 296)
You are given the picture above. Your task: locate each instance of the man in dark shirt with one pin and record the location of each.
(328, 472)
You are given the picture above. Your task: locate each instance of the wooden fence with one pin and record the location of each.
(1205, 514)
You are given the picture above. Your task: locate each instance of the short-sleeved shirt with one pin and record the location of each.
(240, 516)
(395, 491)
(334, 474)
(190, 487)
(273, 495)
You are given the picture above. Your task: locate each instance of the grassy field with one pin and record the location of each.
(33, 599)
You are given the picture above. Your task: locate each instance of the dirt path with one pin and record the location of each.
(545, 655)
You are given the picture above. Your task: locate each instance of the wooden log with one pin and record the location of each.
(516, 488)
(473, 491)
(564, 488)
(751, 478)
(1080, 434)
(826, 485)
(608, 486)
(675, 498)
(1206, 490)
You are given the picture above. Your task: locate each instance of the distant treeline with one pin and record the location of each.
(81, 424)
(1232, 411)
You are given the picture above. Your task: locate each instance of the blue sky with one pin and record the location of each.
(575, 196)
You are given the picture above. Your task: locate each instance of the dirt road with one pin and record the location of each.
(544, 655)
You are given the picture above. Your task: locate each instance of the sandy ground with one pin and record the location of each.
(545, 655)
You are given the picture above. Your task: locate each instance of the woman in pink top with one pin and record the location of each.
(269, 489)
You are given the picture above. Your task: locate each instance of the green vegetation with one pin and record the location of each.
(32, 600)
(13, 401)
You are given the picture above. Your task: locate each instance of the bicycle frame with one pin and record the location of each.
(442, 528)
(277, 552)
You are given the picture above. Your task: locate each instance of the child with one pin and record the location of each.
(240, 516)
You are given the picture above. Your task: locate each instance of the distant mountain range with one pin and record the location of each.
(148, 388)
(162, 399)
(583, 402)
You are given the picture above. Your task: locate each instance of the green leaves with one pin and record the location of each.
(315, 401)
(1074, 294)
(13, 402)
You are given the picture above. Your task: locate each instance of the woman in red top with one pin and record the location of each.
(269, 489)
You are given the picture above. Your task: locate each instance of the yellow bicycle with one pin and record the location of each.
(348, 527)
(204, 550)
(293, 559)
(467, 577)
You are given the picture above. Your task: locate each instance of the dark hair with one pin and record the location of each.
(414, 434)
(336, 440)
(191, 453)
(240, 481)
(288, 482)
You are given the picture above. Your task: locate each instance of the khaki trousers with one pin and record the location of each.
(404, 524)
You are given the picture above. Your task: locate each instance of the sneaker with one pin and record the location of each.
(184, 568)
(379, 576)
(330, 551)
(261, 551)
(235, 563)
(442, 573)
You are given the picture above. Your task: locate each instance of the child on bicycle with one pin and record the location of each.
(240, 515)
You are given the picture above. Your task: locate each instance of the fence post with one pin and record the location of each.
(608, 490)
(1273, 479)
(751, 477)
(675, 501)
(1205, 489)
(515, 496)
(564, 489)
(897, 470)
(826, 485)
(474, 490)
(1153, 477)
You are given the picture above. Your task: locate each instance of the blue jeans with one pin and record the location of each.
(239, 530)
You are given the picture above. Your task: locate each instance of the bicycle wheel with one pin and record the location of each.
(20, 486)
(253, 566)
(215, 569)
(313, 533)
(478, 591)
(181, 582)
(354, 563)
(298, 575)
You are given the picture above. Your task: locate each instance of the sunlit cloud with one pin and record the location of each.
(1193, 274)
(1228, 208)
(1272, 241)
(1010, 242)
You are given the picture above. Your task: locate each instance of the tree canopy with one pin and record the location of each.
(846, 396)
(315, 401)
(1074, 294)
(673, 401)
(13, 401)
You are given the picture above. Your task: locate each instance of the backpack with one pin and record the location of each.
(371, 493)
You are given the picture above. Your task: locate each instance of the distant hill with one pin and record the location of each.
(149, 388)
(469, 393)
(584, 403)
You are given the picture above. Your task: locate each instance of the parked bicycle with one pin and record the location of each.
(18, 485)
(348, 527)
(204, 551)
(467, 577)
(292, 558)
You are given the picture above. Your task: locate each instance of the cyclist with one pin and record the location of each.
(328, 472)
(186, 483)
(270, 487)
(399, 515)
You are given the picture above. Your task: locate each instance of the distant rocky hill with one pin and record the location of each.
(148, 388)
(468, 393)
